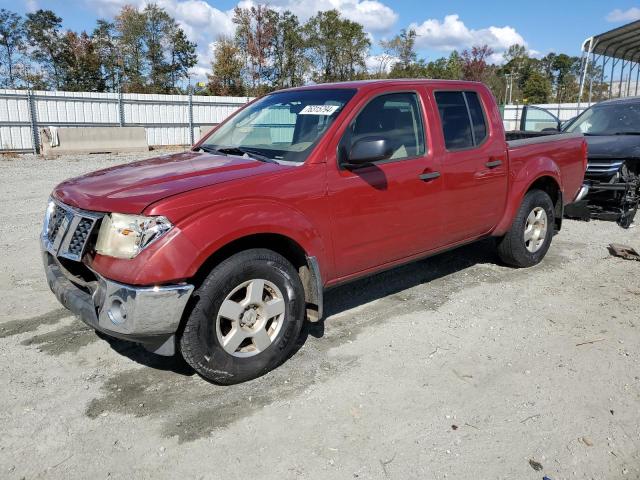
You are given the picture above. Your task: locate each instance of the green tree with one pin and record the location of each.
(289, 61)
(80, 64)
(12, 47)
(107, 48)
(255, 34)
(537, 88)
(130, 25)
(226, 76)
(402, 49)
(337, 48)
(43, 29)
(158, 26)
(183, 56)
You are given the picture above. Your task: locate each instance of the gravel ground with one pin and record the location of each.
(452, 367)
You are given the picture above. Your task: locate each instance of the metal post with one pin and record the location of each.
(604, 64)
(621, 75)
(637, 77)
(33, 118)
(585, 56)
(120, 108)
(629, 78)
(593, 62)
(191, 136)
(614, 62)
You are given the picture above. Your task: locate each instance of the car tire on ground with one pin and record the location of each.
(246, 318)
(529, 238)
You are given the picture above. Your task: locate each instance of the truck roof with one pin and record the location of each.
(370, 84)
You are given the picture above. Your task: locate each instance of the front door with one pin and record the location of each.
(387, 210)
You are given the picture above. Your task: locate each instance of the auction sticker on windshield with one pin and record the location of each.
(319, 110)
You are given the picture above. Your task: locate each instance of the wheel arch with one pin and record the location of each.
(305, 264)
(551, 187)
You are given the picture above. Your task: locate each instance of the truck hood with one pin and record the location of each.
(132, 187)
(614, 146)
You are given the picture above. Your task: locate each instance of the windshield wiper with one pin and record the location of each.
(240, 151)
(206, 148)
(627, 133)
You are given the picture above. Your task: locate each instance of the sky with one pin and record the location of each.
(543, 26)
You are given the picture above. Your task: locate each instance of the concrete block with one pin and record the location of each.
(92, 140)
(204, 129)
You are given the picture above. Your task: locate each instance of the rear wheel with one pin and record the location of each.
(247, 317)
(529, 238)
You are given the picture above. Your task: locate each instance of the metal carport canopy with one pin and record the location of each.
(619, 44)
(622, 42)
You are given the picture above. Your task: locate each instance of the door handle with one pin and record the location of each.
(425, 177)
(493, 163)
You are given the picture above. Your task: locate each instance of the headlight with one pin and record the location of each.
(125, 236)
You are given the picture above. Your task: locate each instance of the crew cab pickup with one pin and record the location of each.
(221, 252)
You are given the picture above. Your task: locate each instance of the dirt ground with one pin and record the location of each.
(454, 367)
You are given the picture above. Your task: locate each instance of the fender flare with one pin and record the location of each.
(524, 179)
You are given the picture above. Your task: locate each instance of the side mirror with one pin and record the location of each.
(368, 150)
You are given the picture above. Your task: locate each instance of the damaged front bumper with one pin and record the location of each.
(146, 315)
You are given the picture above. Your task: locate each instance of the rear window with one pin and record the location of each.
(463, 120)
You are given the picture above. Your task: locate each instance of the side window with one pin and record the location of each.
(477, 117)
(397, 118)
(463, 120)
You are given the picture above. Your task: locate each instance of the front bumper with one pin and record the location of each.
(146, 315)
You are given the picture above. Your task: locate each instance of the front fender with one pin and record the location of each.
(521, 181)
(180, 254)
(225, 222)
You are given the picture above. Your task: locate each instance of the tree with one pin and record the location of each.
(157, 31)
(337, 47)
(226, 76)
(43, 29)
(107, 48)
(130, 26)
(289, 61)
(401, 48)
(12, 48)
(255, 32)
(183, 56)
(537, 88)
(153, 52)
(474, 63)
(80, 64)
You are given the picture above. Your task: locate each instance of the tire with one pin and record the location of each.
(513, 248)
(246, 318)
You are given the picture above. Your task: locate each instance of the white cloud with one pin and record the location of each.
(453, 34)
(374, 16)
(619, 15)
(31, 5)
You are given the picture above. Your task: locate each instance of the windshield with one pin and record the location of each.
(608, 119)
(283, 126)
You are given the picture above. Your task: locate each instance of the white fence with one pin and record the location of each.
(168, 119)
(512, 114)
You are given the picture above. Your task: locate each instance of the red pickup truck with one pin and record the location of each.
(221, 252)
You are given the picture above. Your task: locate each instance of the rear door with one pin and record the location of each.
(473, 163)
(390, 209)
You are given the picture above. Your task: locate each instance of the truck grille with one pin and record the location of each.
(67, 230)
(603, 167)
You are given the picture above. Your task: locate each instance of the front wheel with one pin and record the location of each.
(247, 317)
(529, 238)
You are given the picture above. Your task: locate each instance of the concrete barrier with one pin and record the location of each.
(63, 141)
(204, 129)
